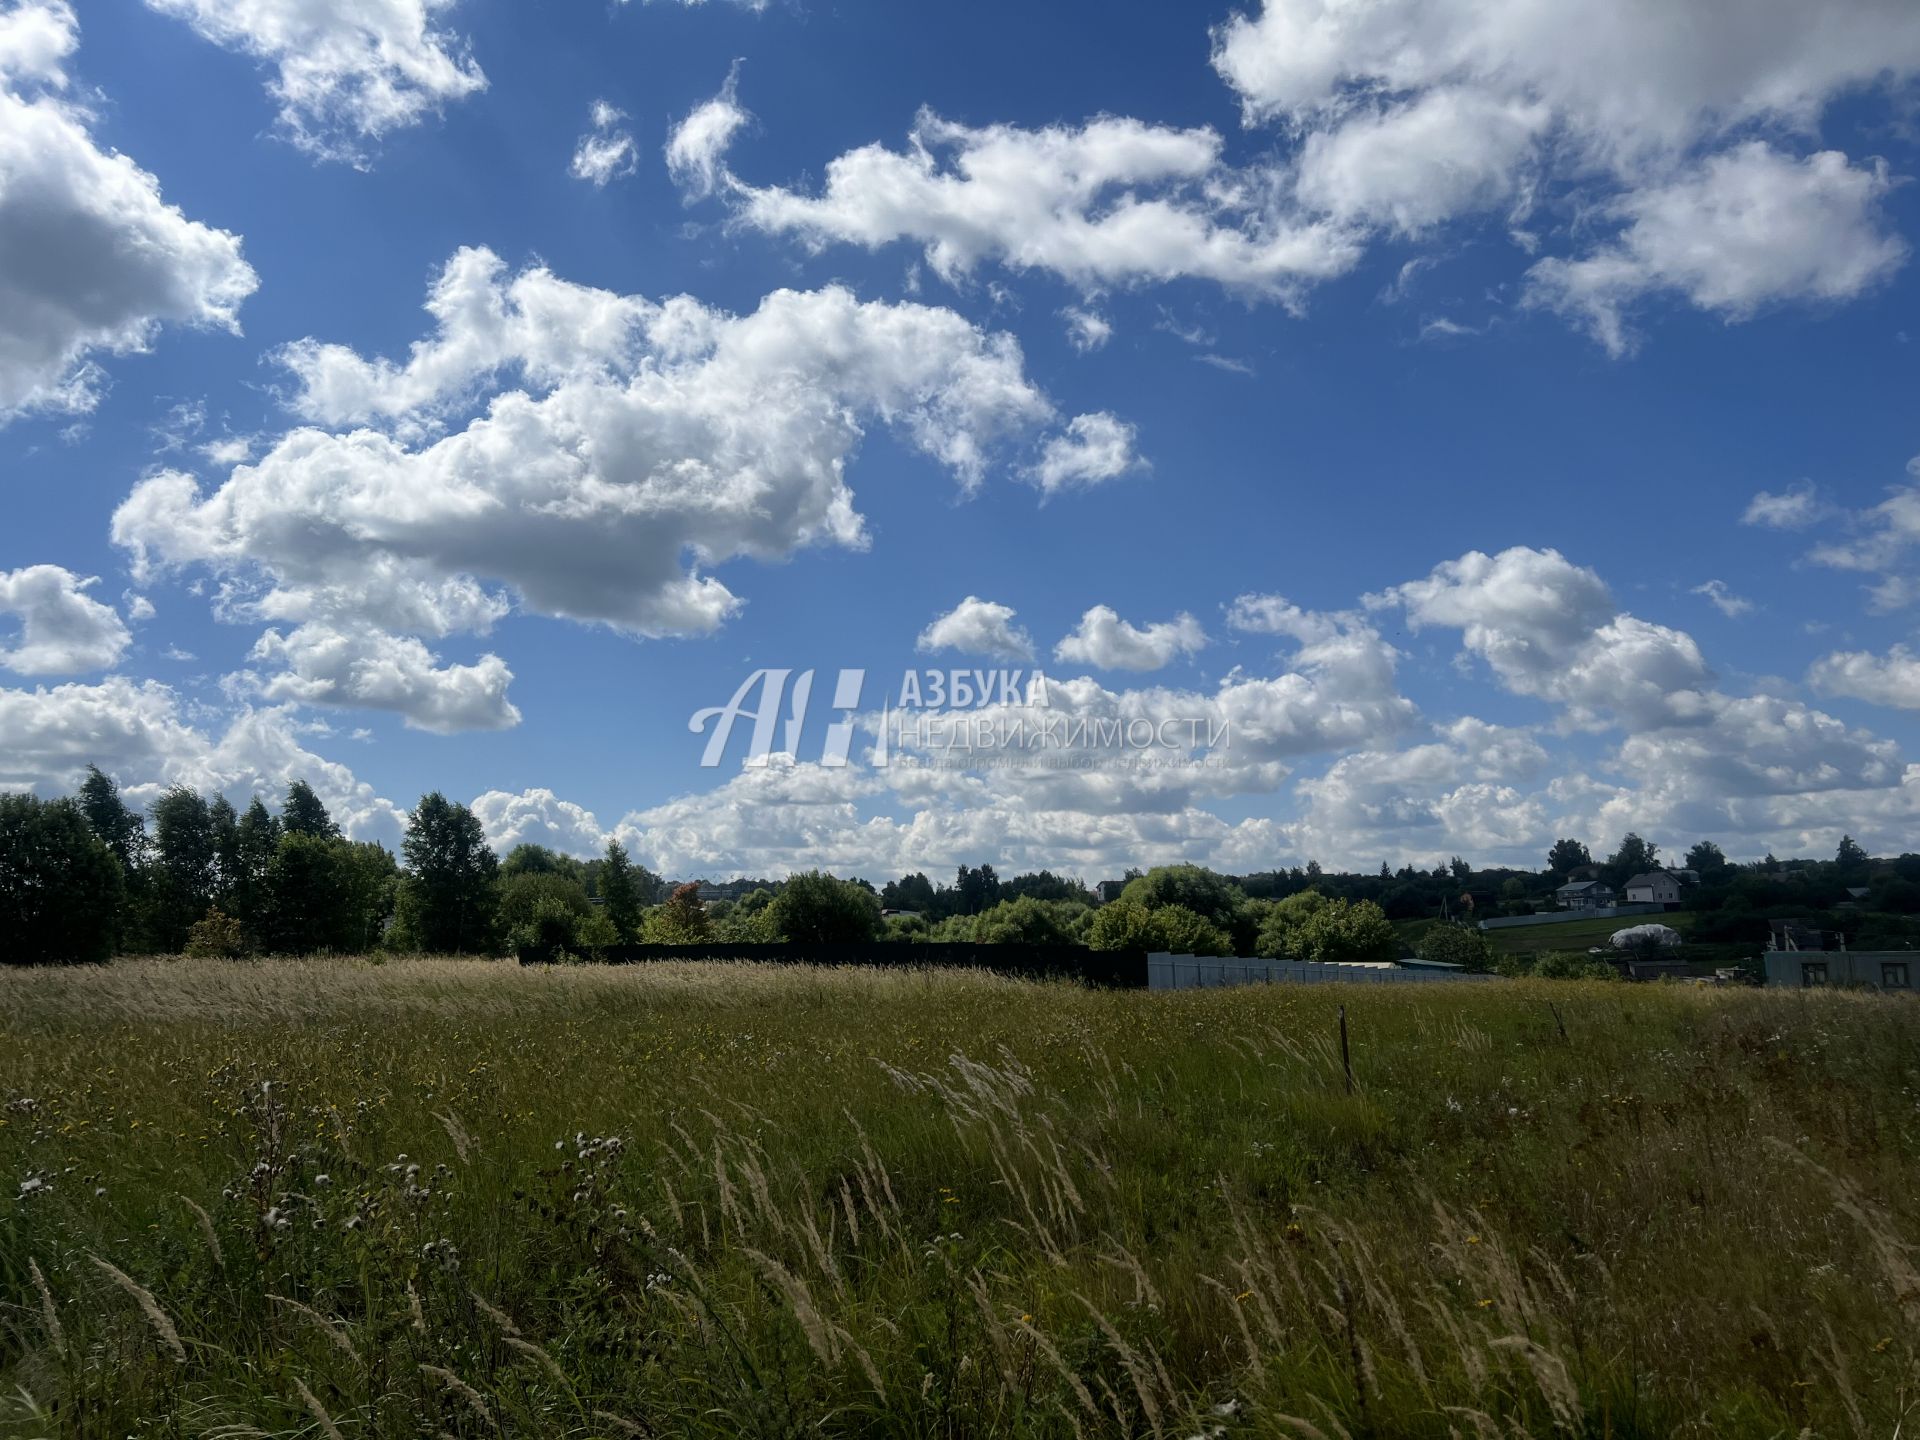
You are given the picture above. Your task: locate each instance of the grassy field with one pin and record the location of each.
(1577, 934)
(333, 1199)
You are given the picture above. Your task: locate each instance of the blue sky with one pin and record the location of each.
(1401, 380)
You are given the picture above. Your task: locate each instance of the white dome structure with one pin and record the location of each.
(1645, 937)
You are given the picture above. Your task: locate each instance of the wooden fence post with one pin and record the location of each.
(1346, 1056)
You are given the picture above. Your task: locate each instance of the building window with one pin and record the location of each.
(1813, 972)
(1893, 975)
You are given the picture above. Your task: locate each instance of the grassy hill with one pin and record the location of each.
(333, 1198)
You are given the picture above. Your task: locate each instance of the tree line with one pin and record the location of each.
(88, 876)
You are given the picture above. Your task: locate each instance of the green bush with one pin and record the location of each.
(815, 908)
(1456, 945)
(554, 932)
(1027, 921)
(524, 891)
(1125, 924)
(218, 936)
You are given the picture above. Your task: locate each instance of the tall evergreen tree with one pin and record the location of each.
(301, 813)
(620, 888)
(447, 898)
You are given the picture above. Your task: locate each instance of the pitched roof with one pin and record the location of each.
(1652, 877)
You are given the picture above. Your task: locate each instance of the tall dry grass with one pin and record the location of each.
(448, 1197)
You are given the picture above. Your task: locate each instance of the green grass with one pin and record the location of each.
(742, 1201)
(1577, 934)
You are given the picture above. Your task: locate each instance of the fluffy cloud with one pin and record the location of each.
(606, 152)
(1411, 167)
(978, 627)
(697, 147)
(92, 259)
(359, 667)
(1453, 794)
(641, 444)
(538, 817)
(347, 72)
(1416, 111)
(1093, 449)
(1399, 116)
(1638, 77)
(138, 732)
(1086, 748)
(1087, 330)
(1115, 201)
(1892, 679)
(63, 630)
(1756, 746)
(1549, 628)
(1742, 230)
(1107, 642)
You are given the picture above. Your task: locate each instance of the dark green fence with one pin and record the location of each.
(1119, 969)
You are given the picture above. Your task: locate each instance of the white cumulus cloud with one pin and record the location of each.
(93, 261)
(625, 448)
(978, 627)
(1105, 641)
(62, 629)
(1115, 201)
(1742, 230)
(346, 72)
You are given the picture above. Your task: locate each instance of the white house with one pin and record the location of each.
(1656, 887)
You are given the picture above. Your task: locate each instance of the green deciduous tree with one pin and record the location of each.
(815, 908)
(910, 892)
(60, 884)
(1128, 924)
(256, 836)
(1706, 860)
(183, 877)
(1567, 855)
(1634, 857)
(1312, 926)
(325, 894)
(446, 899)
(681, 921)
(1029, 921)
(1213, 897)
